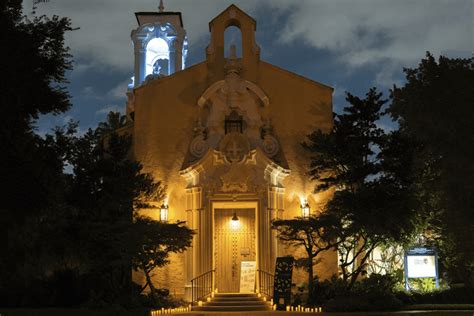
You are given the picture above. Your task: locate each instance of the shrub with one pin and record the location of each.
(455, 295)
(372, 294)
(328, 289)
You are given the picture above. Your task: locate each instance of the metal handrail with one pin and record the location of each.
(265, 280)
(202, 285)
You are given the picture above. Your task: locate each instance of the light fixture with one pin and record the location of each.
(234, 221)
(234, 217)
(164, 212)
(305, 209)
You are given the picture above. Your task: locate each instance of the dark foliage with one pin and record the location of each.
(434, 109)
(33, 68)
(315, 234)
(454, 295)
(372, 203)
(151, 243)
(372, 294)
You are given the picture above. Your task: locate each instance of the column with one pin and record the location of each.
(193, 204)
(140, 60)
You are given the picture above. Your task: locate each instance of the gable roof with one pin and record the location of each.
(233, 6)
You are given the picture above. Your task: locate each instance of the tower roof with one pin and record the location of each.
(151, 17)
(229, 12)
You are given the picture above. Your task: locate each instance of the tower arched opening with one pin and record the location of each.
(157, 57)
(233, 36)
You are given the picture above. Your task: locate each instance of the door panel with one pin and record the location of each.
(232, 245)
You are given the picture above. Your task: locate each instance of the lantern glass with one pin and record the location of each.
(164, 213)
(305, 210)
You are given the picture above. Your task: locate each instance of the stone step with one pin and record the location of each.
(234, 303)
(235, 308)
(235, 295)
(236, 299)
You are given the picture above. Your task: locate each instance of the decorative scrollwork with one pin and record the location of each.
(270, 145)
(199, 146)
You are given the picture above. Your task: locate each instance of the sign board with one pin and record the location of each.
(247, 276)
(282, 282)
(421, 266)
(421, 262)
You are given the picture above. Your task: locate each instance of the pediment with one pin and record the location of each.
(219, 173)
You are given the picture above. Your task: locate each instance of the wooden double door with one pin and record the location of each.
(234, 242)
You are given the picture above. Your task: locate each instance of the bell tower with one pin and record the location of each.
(160, 44)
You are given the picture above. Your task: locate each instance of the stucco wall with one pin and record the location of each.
(165, 113)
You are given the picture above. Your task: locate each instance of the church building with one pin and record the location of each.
(224, 136)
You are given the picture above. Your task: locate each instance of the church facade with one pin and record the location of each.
(224, 136)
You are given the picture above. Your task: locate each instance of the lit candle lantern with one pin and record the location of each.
(164, 212)
(305, 210)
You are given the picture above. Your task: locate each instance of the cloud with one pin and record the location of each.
(339, 91)
(369, 31)
(67, 118)
(384, 35)
(119, 91)
(357, 32)
(90, 93)
(104, 35)
(388, 75)
(109, 108)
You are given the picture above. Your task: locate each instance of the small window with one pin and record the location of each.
(233, 123)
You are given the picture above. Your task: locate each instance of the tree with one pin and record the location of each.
(371, 204)
(434, 108)
(314, 234)
(34, 64)
(106, 189)
(152, 242)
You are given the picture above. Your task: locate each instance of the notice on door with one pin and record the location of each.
(247, 276)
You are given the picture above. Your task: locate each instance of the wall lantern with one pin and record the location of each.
(305, 209)
(234, 221)
(164, 212)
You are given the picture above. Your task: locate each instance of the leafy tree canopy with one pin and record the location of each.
(372, 203)
(434, 109)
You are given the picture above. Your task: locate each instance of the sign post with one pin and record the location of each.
(421, 262)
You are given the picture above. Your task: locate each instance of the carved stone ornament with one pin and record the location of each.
(235, 180)
(270, 145)
(199, 146)
(235, 147)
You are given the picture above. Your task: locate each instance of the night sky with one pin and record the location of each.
(349, 45)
